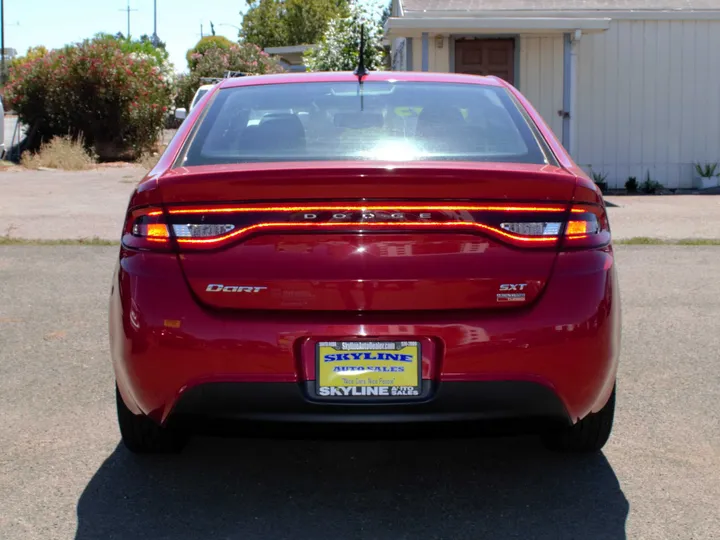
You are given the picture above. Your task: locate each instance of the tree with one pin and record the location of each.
(387, 13)
(339, 48)
(205, 44)
(276, 23)
(33, 53)
(216, 61)
(149, 39)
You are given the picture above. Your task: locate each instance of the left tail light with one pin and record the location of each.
(146, 229)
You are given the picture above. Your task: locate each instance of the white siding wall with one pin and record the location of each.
(649, 100)
(541, 76)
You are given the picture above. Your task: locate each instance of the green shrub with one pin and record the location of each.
(650, 186)
(600, 180)
(631, 185)
(706, 170)
(114, 100)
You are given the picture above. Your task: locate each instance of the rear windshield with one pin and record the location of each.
(381, 121)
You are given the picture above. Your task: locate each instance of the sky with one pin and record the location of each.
(55, 23)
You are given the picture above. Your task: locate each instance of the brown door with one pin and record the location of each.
(486, 57)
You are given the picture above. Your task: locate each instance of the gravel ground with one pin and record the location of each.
(63, 475)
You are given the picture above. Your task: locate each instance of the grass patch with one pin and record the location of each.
(94, 241)
(4, 164)
(60, 153)
(646, 241)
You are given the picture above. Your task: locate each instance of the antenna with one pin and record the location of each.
(361, 71)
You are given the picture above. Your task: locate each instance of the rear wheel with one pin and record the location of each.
(143, 436)
(588, 435)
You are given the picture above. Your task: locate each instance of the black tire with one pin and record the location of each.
(141, 435)
(588, 435)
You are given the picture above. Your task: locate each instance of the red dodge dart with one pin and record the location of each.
(359, 249)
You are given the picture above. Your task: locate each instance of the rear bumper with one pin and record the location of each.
(449, 402)
(170, 354)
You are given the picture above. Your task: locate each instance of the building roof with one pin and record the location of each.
(559, 5)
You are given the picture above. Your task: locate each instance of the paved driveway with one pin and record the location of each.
(63, 476)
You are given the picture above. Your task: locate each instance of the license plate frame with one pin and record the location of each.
(377, 380)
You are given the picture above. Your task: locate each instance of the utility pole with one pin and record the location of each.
(155, 36)
(2, 41)
(128, 17)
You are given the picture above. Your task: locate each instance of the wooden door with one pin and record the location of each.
(486, 57)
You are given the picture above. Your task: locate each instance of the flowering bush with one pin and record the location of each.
(114, 100)
(339, 48)
(215, 62)
(205, 44)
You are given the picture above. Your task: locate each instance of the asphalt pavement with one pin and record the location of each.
(63, 475)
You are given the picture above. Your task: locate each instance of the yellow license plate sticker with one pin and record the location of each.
(368, 369)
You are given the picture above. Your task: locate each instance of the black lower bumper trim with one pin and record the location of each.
(446, 402)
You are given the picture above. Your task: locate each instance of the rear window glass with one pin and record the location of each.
(382, 121)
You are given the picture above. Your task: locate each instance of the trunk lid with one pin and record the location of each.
(365, 260)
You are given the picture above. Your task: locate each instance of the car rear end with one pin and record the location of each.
(391, 251)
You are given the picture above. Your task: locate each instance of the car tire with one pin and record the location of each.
(141, 435)
(588, 435)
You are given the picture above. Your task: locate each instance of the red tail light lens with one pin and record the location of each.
(588, 227)
(527, 226)
(146, 229)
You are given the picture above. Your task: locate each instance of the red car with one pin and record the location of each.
(387, 248)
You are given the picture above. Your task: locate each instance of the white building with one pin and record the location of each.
(629, 86)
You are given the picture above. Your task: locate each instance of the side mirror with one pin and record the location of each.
(181, 113)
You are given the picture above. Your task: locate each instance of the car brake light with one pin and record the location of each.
(146, 229)
(588, 228)
(583, 226)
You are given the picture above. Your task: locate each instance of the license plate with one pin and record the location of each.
(368, 369)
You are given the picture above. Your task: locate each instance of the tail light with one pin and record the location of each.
(588, 227)
(527, 226)
(146, 229)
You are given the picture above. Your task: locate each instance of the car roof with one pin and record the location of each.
(347, 76)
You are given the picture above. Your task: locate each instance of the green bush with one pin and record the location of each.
(112, 99)
(650, 186)
(600, 180)
(631, 185)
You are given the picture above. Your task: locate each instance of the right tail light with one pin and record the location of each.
(587, 227)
